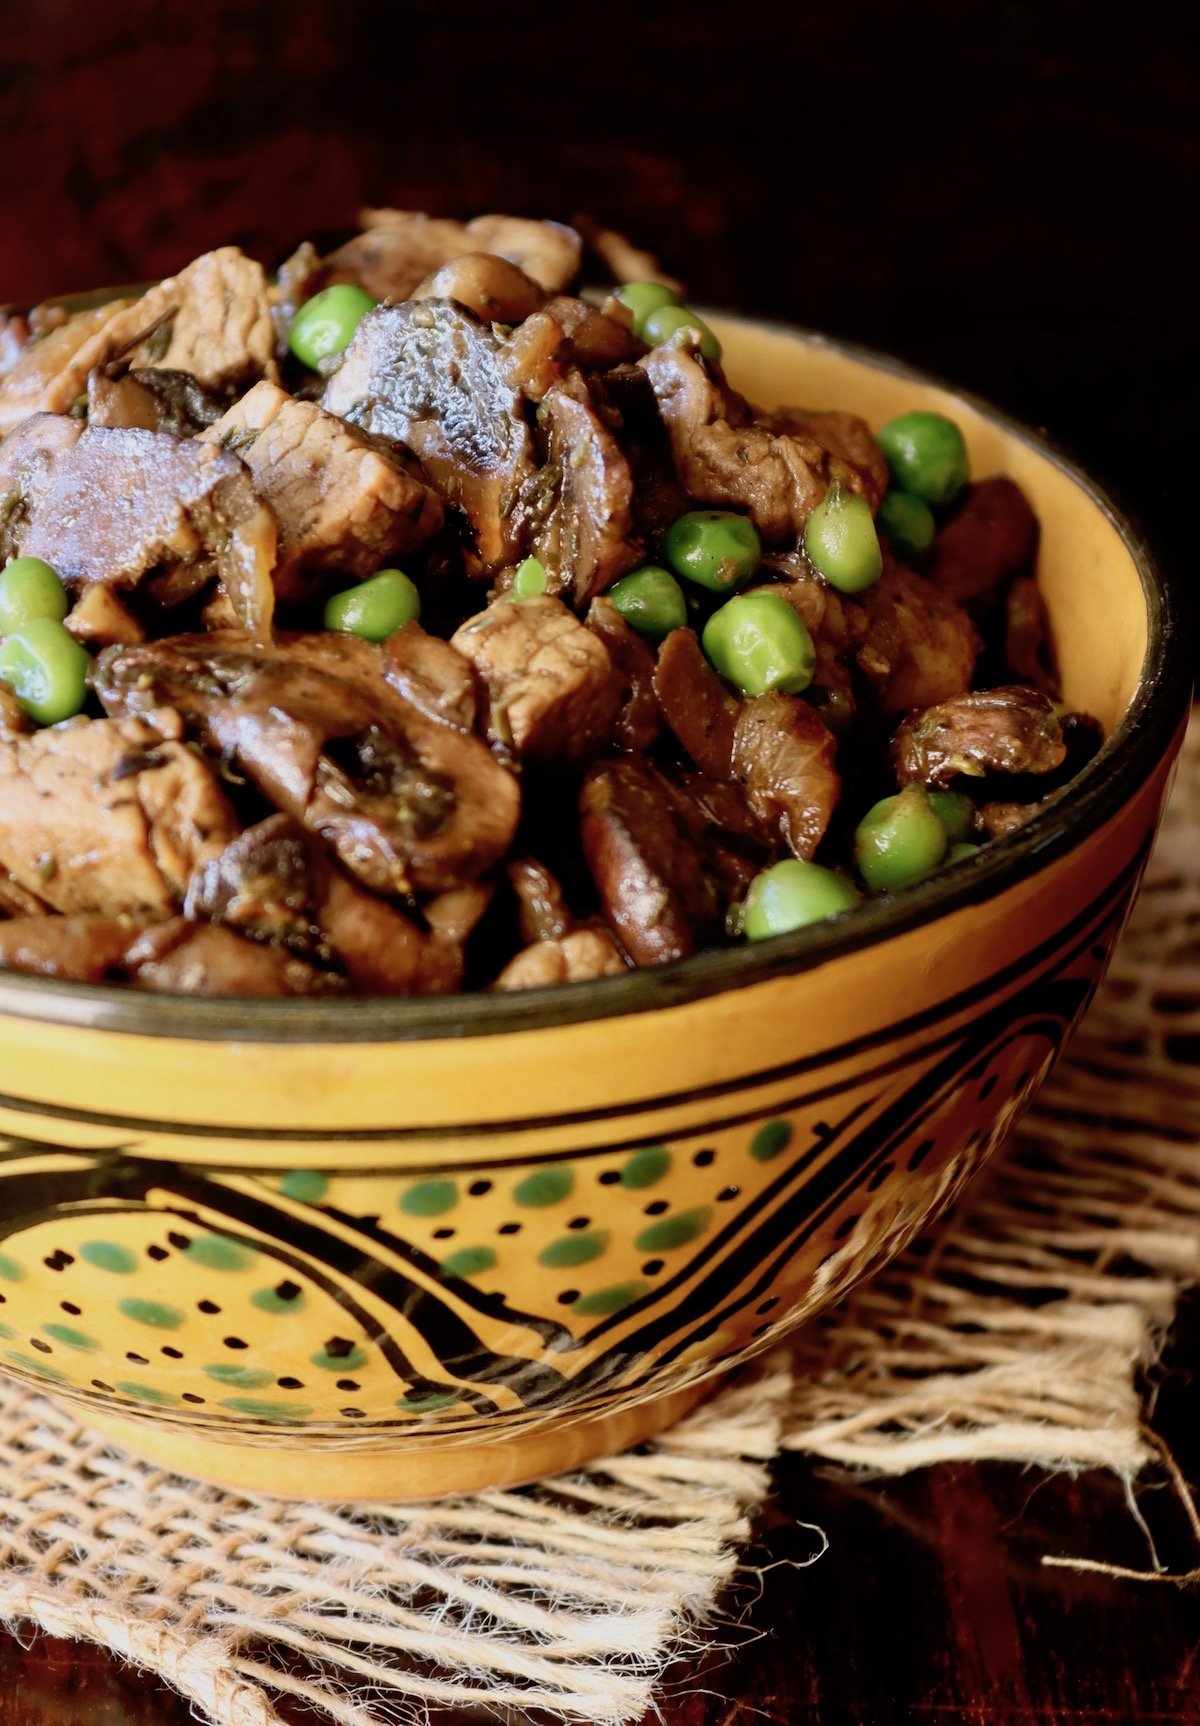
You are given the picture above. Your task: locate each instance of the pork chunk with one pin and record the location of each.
(108, 816)
(53, 371)
(724, 456)
(115, 507)
(339, 502)
(399, 248)
(575, 958)
(430, 376)
(920, 646)
(1009, 730)
(184, 958)
(554, 695)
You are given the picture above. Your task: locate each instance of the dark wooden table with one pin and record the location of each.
(1003, 194)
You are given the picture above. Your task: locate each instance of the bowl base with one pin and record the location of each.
(398, 1477)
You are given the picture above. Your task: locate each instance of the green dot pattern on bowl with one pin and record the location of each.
(284, 1298)
(266, 1408)
(429, 1198)
(770, 1141)
(570, 1250)
(468, 1262)
(72, 1338)
(603, 1302)
(154, 1313)
(11, 1271)
(674, 1231)
(545, 1186)
(110, 1256)
(245, 1377)
(306, 1186)
(429, 1404)
(646, 1167)
(219, 1253)
(340, 1359)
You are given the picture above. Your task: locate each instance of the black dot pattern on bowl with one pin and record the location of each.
(59, 1260)
(208, 1306)
(338, 1347)
(99, 1384)
(172, 1353)
(290, 1383)
(353, 1413)
(703, 1159)
(727, 1193)
(580, 1223)
(609, 1177)
(767, 1306)
(190, 1396)
(42, 1347)
(879, 1176)
(987, 1087)
(568, 1297)
(288, 1291)
(235, 1342)
(845, 1227)
(137, 1359)
(478, 1188)
(443, 1234)
(919, 1155)
(157, 1254)
(181, 1243)
(348, 1384)
(69, 1306)
(509, 1229)
(656, 1207)
(759, 1330)
(652, 1267)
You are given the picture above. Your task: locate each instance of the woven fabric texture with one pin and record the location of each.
(1017, 1329)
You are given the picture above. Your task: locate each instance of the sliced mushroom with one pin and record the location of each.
(638, 724)
(695, 703)
(587, 537)
(1012, 729)
(495, 290)
(785, 757)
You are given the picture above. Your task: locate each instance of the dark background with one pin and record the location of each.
(1005, 193)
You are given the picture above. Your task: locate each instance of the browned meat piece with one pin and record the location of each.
(1028, 649)
(453, 916)
(432, 675)
(639, 722)
(695, 703)
(115, 506)
(785, 757)
(340, 502)
(99, 619)
(643, 842)
(101, 815)
(86, 948)
(14, 721)
(404, 802)
(575, 958)
(553, 694)
(846, 436)
(184, 958)
(399, 248)
(428, 375)
(150, 400)
(597, 341)
(296, 280)
(542, 907)
(723, 456)
(997, 819)
(535, 356)
(495, 290)
(989, 539)
(1006, 730)
(14, 335)
(213, 320)
(52, 372)
(624, 261)
(587, 539)
(920, 646)
(18, 901)
(274, 883)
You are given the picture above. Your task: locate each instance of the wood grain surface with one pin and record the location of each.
(1005, 194)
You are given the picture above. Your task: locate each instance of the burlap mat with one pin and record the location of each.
(1019, 1329)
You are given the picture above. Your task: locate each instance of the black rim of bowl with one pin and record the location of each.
(1120, 768)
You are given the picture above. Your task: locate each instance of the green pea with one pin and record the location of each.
(841, 543)
(714, 547)
(927, 455)
(908, 523)
(46, 669)
(955, 812)
(529, 579)
(792, 894)
(900, 840)
(642, 298)
(758, 643)
(959, 853)
(669, 322)
(375, 608)
(324, 325)
(29, 588)
(651, 600)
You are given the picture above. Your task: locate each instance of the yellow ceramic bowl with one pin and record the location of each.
(381, 1249)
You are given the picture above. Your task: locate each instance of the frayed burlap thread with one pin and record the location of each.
(1020, 1329)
